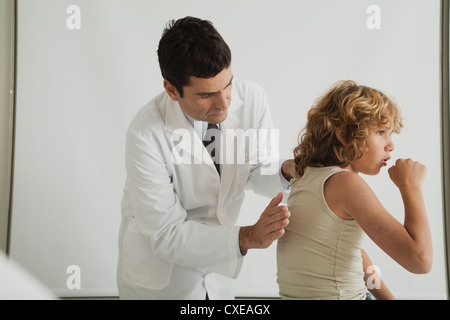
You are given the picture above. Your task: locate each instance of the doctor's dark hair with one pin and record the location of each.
(351, 111)
(191, 47)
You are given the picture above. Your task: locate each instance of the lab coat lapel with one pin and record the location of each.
(228, 168)
(181, 130)
(188, 147)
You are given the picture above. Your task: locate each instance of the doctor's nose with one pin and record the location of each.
(222, 101)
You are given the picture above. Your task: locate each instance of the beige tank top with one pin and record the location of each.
(319, 257)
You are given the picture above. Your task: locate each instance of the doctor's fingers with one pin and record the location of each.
(275, 201)
(278, 210)
(275, 235)
(268, 231)
(278, 225)
(278, 219)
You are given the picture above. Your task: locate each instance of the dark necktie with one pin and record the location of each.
(211, 143)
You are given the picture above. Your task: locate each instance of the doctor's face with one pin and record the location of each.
(205, 99)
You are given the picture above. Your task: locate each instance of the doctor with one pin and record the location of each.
(178, 238)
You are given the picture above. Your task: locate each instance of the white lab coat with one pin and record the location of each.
(177, 237)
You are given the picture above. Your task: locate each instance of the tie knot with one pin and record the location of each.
(212, 126)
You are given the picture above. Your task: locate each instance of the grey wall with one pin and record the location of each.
(6, 112)
(79, 88)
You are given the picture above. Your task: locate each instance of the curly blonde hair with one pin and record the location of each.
(352, 110)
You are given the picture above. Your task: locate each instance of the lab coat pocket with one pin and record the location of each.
(140, 266)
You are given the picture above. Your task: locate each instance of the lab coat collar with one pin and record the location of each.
(175, 118)
(176, 122)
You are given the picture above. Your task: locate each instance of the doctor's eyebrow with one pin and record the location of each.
(211, 93)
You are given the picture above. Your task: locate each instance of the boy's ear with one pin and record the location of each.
(341, 134)
(171, 91)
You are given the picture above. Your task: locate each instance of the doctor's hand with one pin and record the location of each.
(269, 227)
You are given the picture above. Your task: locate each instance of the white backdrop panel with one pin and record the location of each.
(79, 88)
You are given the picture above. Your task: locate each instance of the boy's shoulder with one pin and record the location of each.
(345, 181)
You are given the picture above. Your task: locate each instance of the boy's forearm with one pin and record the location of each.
(416, 223)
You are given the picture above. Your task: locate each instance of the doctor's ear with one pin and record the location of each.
(171, 91)
(341, 134)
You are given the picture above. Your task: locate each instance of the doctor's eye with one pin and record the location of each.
(205, 96)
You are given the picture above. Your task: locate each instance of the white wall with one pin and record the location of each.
(78, 90)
